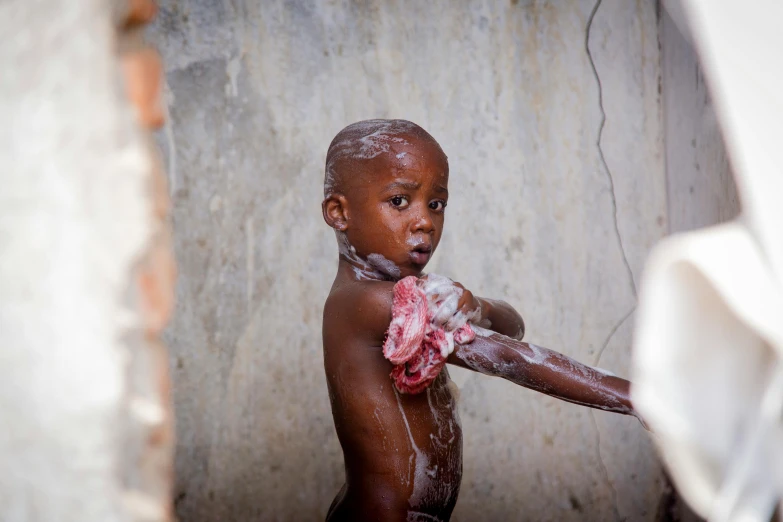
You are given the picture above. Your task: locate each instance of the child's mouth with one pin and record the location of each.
(420, 254)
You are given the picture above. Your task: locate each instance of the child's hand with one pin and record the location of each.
(470, 308)
(456, 305)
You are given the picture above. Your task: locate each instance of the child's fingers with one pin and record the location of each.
(446, 310)
(465, 314)
(457, 321)
(465, 299)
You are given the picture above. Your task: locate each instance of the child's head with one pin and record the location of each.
(385, 192)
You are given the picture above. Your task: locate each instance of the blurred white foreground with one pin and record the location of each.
(708, 354)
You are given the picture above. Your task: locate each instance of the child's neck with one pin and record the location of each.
(362, 269)
(363, 272)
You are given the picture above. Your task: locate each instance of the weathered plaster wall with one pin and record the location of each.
(701, 189)
(540, 215)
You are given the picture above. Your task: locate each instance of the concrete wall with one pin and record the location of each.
(256, 92)
(701, 189)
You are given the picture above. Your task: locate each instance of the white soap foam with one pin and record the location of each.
(384, 265)
(374, 268)
(366, 140)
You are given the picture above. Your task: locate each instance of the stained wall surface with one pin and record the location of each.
(557, 190)
(701, 189)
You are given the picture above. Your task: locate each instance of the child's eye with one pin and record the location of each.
(437, 205)
(399, 201)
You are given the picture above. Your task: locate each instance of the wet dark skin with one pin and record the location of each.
(395, 207)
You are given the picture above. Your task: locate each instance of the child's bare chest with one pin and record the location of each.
(425, 440)
(437, 466)
(410, 443)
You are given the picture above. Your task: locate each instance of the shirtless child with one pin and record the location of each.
(386, 191)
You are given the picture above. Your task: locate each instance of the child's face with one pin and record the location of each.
(397, 209)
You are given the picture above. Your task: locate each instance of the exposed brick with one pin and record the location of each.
(140, 12)
(143, 73)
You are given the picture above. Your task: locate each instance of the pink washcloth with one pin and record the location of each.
(414, 344)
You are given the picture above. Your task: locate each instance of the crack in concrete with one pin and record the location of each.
(611, 334)
(600, 148)
(604, 469)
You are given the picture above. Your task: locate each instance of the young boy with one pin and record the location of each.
(386, 190)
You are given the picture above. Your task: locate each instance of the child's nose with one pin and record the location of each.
(423, 223)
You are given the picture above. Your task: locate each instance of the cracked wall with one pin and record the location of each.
(257, 90)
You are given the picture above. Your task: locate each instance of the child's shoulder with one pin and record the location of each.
(360, 306)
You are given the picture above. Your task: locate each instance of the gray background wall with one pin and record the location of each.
(701, 190)
(538, 217)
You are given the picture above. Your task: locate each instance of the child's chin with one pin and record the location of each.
(416, 270)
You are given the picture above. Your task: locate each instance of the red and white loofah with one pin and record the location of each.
(414, 343)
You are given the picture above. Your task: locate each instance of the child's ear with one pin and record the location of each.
(335, 210)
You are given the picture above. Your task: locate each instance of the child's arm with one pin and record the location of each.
(501, 317)
(495, 315)
(545, 371)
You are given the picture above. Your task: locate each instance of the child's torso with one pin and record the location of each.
(404, 449)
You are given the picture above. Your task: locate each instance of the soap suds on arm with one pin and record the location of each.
(545, 371)
(418, 345)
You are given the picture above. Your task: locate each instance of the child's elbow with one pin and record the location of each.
(518, 322)
(521, 333)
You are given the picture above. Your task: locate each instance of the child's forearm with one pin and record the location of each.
(545, 371)
(501, 317)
